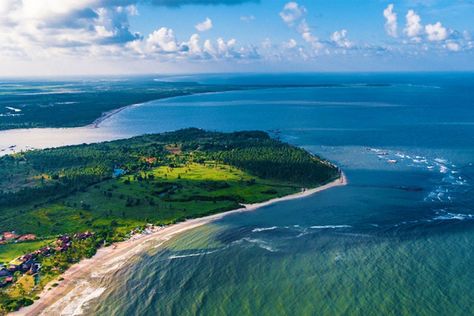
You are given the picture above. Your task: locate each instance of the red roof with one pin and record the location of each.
(9, 235)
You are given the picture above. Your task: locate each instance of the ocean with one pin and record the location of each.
(397, 240)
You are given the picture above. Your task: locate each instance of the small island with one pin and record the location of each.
(61, 205)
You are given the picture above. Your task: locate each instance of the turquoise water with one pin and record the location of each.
(398, 240)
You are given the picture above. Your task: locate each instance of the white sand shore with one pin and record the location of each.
(73, 293)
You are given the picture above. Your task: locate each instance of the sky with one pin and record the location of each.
(87, 37)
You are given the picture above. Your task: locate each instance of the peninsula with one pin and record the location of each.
(59, 206)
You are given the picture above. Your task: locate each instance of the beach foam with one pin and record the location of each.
(260, 243)
(330, 226)
(262, 229)
(451, 177)
(444, 215)
(198, 254)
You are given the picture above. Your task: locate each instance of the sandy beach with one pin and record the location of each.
(75, 291)
(109, 114)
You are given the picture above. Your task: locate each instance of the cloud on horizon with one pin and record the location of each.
(101, 29)
(432, 36)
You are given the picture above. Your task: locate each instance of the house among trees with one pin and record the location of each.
(9, 236)
(27, 237)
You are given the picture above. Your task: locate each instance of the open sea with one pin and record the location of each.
(397, 240)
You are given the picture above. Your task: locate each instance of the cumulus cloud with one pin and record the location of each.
(431, 35)
(340, 39)
(99, 28)
(436, 32)
(193, 45)
(205, 25)
(162, 40)
(290, 44)
(453, 46)
(34, 27)
(292, 12)
(390, 21)
(413, 26)
(163, 44)
(308, 36)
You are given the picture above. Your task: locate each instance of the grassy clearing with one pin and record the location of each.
(24, 285)
(165, 195)
(162, 195)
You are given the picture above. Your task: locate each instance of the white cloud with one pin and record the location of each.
(340, 39)
(308, 36)
(390, 21)
(292, 12)
(209, 48)
(290, 44)
(205, 25)
(162, 40)
(193, 45)
(413, 26)
(453, 46)
(162, 44)
(35, 30)
(436, 32)
(225, 48)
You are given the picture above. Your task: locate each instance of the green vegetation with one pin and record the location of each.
(117, 187)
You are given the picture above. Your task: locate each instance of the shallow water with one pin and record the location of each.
(397, 240)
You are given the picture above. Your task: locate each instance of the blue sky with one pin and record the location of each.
(60, 37)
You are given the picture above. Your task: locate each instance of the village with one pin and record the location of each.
(30, 262)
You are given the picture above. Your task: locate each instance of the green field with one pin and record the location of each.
(160, 196)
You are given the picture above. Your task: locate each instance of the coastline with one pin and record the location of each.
(104, 116)
(74, 291)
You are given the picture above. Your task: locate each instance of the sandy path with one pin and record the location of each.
(74, 291)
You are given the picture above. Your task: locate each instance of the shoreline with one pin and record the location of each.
(106, 115)
(73, 292)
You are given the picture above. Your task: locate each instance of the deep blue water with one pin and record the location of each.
(397, 240)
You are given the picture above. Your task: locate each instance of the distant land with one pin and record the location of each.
(60, 205)
(75, 103)
(30, 104)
